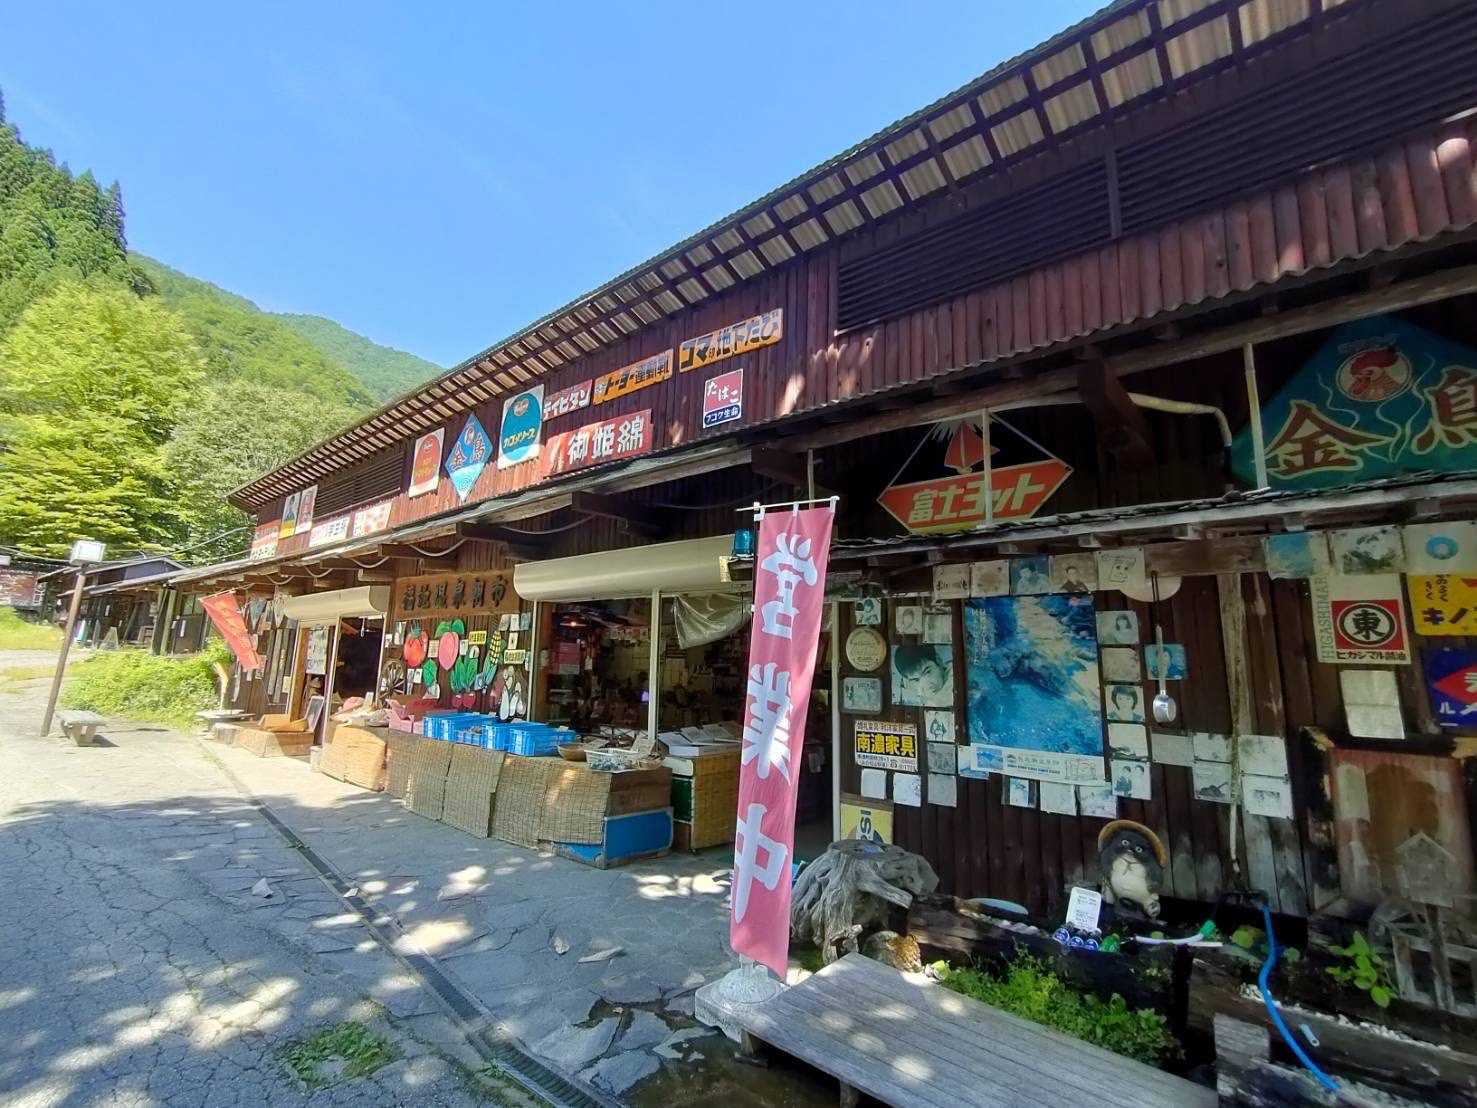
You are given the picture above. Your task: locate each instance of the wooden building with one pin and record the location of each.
(1101, 263)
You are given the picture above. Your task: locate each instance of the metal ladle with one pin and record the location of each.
(1165, 709)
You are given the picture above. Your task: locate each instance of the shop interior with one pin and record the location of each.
(356, 658)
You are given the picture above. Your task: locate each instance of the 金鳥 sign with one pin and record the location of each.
(568, 400)
(736, 338)
(941, 486)
(1382, 397)
(607, 441)
(789, 601)
(225, 612)
(1359, 618)
(631, 378)
(469, 456)
(522, 427)
(425, 466)
(723, 398)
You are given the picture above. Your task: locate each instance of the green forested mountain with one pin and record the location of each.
(384, 371)
(132, 396)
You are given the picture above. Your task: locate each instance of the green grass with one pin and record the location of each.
(134, 684)
(1028, 988)
(13, 677)
(18, 634)
(360, 1049)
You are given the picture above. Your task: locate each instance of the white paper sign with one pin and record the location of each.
(874, 784)
(1170, 749)
(1265, 755)
(969, 762)
(1084, 907)
(1210, 747)
(943, 790)
(1058, 799)
(907, 788)
(1266, 796)
(951, 582)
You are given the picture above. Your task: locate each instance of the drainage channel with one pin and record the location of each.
(476, 1024)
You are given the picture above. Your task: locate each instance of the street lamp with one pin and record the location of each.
(85, 552)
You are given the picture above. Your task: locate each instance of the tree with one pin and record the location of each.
(234, 431)
(92, 380)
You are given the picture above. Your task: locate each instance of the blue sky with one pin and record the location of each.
(435, 176)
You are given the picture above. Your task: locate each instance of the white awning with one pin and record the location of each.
(690, 566)
(325, 607)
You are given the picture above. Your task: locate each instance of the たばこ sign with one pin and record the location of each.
(723, 398)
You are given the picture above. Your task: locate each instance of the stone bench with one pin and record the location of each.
(81, 727)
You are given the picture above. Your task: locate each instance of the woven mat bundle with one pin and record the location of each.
(426, 792)
(575, 803)
(470, 784)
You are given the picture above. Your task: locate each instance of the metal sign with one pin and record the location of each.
(736, 338)
(1380, 398)
(1359, 619)
(924, 497)
(469, 456)
(631, 378)
(723, 398)
(884, 745)
(522, 427)
(607, 441)
(1451, 676)
(568, 400)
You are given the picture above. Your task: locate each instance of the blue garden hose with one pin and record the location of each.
(1261, 983)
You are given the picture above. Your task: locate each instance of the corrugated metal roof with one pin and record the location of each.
(1107, 64)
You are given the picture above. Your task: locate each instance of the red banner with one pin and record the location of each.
(789, 599)
(225, 613)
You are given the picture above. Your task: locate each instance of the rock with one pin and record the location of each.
(667, 1048)
(646, 1030)
(617, 1074)
(629, 988)
(261, 888)
(898, 951)
(572, 1048)
(602, 955)
(560, 945)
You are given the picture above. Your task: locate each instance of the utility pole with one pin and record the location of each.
(85, 552)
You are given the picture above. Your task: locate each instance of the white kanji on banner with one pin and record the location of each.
(767, 722)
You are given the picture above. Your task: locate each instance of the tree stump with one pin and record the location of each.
(850, 888)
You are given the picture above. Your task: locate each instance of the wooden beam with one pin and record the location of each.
(777, 465)
(639, 518)
(1120, 422)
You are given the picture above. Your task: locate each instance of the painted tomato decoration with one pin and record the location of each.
(414, 650)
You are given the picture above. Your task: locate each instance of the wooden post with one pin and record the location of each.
(654, 660)
(61, 661)
(987, 471)
(835, 720)
(1254, 416)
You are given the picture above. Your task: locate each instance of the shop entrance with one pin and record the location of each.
(356, 660)
(598, 669)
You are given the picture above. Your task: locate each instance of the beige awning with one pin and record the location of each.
(325, 607)
(690, 566)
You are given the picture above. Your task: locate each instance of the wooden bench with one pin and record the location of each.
(906, 1040)
(81, 727)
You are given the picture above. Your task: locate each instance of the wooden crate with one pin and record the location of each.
(275, 744)
(639, 790)
(705, 798)
(624, 839)
(355, 755)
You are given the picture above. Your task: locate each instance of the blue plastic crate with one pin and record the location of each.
(624, 839)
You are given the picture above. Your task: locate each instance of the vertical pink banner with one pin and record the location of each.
(789, 599)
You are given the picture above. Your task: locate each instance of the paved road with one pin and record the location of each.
(137, 967)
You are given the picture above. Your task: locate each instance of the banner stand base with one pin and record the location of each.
(719, 1003)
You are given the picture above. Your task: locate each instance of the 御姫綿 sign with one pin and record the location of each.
(631, 378)
(883, 745)
(607, 441)
(1359, 618)
(522, 427)
(736, 338)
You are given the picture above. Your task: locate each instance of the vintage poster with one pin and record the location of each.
(264, 541)
(907, 789)
(522, 427)
(951, 581)
(329, 531)
(568, 400)
(1368, 550)
(1073, 572)
(1030, 576)
(941, 486)
(224, 610)
(990, 578)
(1034, 695)
(1436, 548)
(1296, 555)
(1168, 661)
(425, 464)
(791, 553)
(306, 505)
(1451, 676)
(289, 516)
(1443, 604)
(723, 398)
(610, 440)
(923, 676)
(469, 456)
(866, 819)
(1122, 569)
(938, 726)
(1360, 618)
(1118, 628)
(1371, 706)
(884, 745)
(1380, 398)
(315, 657)
(633, 377)
(374, 518)
(736, 338)
(861, 694)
